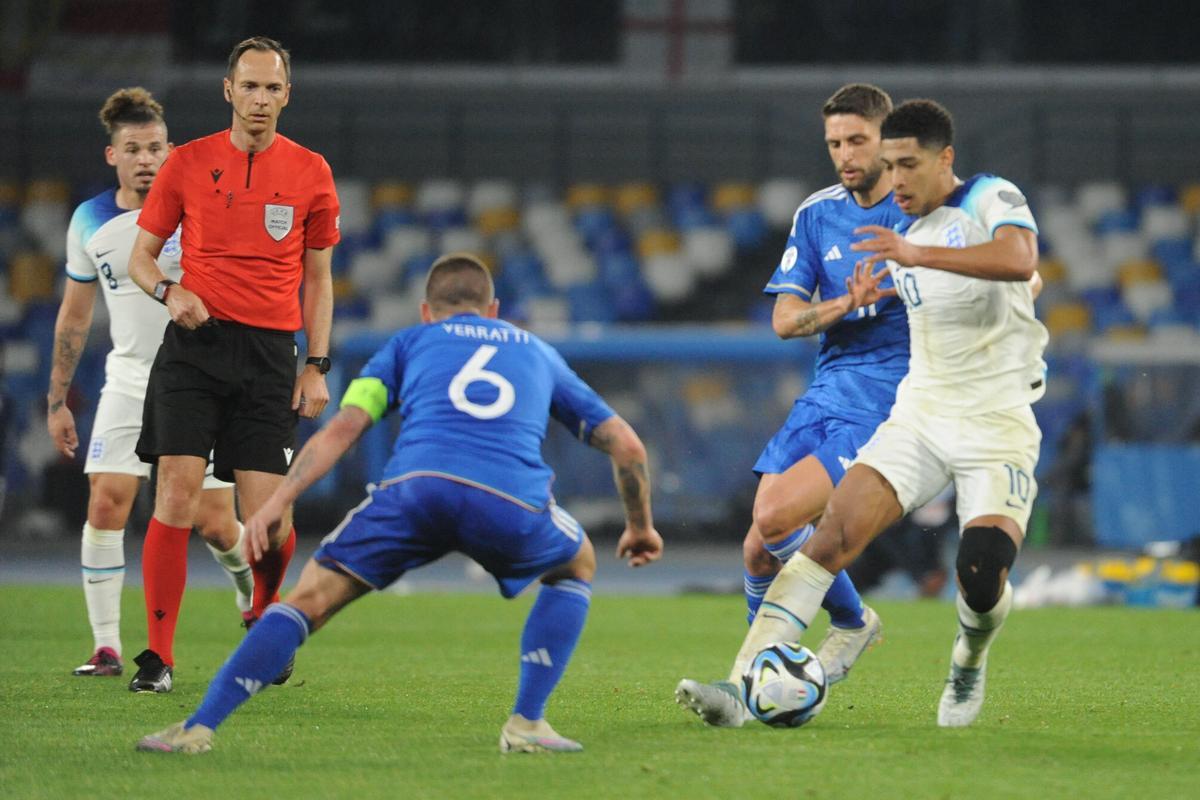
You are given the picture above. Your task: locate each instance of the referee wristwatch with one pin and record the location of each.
(160, 290)
(322, 363)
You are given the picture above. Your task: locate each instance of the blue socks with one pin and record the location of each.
(551, 632)
(259, 659)
(755, 587)
(842, 601)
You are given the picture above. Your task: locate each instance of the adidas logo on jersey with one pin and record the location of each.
(251, 685)
(834, 254)
(539, 656)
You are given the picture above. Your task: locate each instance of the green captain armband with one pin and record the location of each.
(369, 394)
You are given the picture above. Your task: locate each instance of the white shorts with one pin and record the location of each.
(114, 436)
(989, 457)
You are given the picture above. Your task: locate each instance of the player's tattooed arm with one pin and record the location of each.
(615, 437)
(70, 338)
(794, 316)
(640, 543)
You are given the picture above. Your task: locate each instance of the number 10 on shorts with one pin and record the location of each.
(1019, 484)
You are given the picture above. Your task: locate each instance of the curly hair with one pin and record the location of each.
(131, 106)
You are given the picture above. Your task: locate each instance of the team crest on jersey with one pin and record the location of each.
(278, 220)
(954, 236)
(789, 260)
(171, 247)
(97, 449)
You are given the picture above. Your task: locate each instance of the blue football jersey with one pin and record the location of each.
(475, 395)
(864, 356)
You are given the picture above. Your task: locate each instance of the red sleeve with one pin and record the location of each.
(164, 204)
(321, 227)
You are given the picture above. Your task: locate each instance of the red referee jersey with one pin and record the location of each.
(247, 219)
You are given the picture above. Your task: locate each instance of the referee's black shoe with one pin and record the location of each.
(153, 674)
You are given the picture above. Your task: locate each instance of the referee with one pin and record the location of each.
(259, 217)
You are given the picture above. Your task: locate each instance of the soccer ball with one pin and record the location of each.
(785, 685)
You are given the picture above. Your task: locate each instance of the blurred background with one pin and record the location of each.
(629, 168)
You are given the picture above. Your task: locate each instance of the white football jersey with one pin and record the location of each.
(99, 243)
(976, 344)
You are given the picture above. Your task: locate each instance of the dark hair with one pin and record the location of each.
(929, 122)
(264, 45)
(459, 280)
(131, 106)
(862, 99)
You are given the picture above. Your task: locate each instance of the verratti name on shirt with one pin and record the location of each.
(483, 332)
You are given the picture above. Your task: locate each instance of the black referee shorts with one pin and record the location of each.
(224, 388)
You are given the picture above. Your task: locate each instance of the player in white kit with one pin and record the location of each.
(965, 266)
(99, 241)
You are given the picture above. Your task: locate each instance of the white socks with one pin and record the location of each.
(233, 561)
(787, 610)
(102, 558)
(976, 631)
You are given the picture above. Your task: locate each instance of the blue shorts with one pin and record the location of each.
(810, 430)
(411, 521)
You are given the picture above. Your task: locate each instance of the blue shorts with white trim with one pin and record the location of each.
(411, 521)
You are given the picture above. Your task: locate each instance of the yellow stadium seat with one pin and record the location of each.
(390, 194)
(47, 190)
(343, 289)
(706, 389)
(657, 242)
(31, 277)
(631, 197)
(1189, 199)
(1142, 270)
(497, 220)
(1052, 270)
(1126, 333)
(731, 196)
(582, 195)
(10, 194)
(1067, 318)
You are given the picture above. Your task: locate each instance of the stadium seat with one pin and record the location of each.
(1095, 198)
(1125, 333)
(590, 303)
(1052, 270)
(439, 196)
(460, 240)
(709, 251)
(570, 269)
(354, 195)
(668, 276)
(1153, 195)
(729, 197)
(402, 243)
(778, 199)
(1068, 318)
(373, 271)
(657, 242)
(492, 221)
(1146, 297)
(491, 195)
(1116, 220)
(1139, 270)
(1164, 222)
(748, 228)
(587, 195)
(46, 214)
(391, 194)
(632, 300)
(594, 222)
(1189, 199)
(631, 197)
(31, 277)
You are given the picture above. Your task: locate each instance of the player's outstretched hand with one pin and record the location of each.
(863, 287)
(640, 547)
(186, 308)
(311, 394)
(261, 529)
(885, 244)
(61, 424)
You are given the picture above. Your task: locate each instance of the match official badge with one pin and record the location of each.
(278, 220)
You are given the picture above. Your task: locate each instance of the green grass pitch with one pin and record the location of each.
(404, 697)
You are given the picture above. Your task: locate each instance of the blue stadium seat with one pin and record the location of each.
(747, 227)
(1156, 194)
(618, 268)
(594, 222)
(390, 218)
(439, 219)
(632, 300)
(590, 303)
(1122, 221)
(614, 241)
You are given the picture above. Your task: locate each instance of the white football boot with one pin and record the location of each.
(962, 699)
(841, 647)
(719, 704)
(520, 735)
